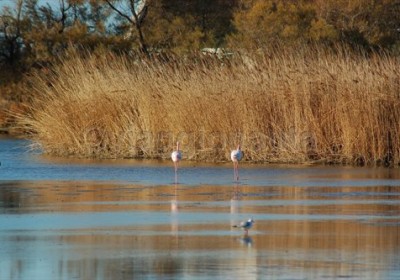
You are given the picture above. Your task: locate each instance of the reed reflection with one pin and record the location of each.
(302, 232)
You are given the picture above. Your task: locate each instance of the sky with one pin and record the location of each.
(6, 3)
(12, 2)
(2, 3)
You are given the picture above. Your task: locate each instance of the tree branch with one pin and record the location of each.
(119, 12)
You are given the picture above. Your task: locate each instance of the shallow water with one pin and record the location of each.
(126, 219)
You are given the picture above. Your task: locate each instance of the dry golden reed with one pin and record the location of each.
(308, 105)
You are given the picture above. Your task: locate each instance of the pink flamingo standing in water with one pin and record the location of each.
(176, 156)
(236, 156)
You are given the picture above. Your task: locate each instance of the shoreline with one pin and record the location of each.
(12, 133)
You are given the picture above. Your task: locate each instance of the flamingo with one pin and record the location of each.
(236, 156)
(176, 156)
(246, 225)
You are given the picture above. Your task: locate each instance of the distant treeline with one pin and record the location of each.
(33, 31)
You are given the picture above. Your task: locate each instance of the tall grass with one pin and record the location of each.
(308, 105)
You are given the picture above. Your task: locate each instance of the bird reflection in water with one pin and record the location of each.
(174, 211)
(236, 196)
(246, 240)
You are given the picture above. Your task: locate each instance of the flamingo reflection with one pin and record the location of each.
(235, 199)
(174, 211)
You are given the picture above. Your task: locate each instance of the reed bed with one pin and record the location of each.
(308, 105)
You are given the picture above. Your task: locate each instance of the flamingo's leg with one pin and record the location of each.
(236, 170)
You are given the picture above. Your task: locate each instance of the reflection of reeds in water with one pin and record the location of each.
(85, 195)
(330, 202)
(339, 248)
(335, 247)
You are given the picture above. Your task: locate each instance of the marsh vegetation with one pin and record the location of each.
(308, 105)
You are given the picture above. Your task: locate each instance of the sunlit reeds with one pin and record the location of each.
(308, 105)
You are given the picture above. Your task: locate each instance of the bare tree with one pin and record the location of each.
(10, 33)
(64, 7)
(51, 15)
(135, 17)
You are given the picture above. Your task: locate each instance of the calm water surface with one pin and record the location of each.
(126, 219)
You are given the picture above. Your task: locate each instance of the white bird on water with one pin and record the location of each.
(236, 156)
(246, 225)
(176, 156)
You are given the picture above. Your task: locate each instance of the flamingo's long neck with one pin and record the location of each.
(177, 146)
(238, 147)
